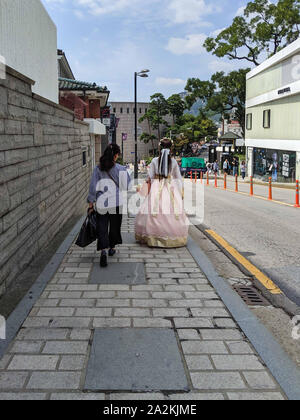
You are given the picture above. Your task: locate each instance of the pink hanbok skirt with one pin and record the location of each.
(162, 221)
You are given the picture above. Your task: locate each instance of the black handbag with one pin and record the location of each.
(88, 231)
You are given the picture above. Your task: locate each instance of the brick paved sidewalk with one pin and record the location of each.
(49, 357)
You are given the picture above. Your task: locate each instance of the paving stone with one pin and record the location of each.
(4, 361)
(117, 287)
(213, 303)
(151, 323)
(193, 323)
(210, 312)
(55, 288)
(180, 288)
(204, 347)
(131, 312)
(133, 295)
(111, 322)
(26, 347)
(65, 347)
(42, 334)
(65, 295)
(113, 303)
(185, 303)
(137, 397)
(162, 282)
(221, 335)
(12, 380)
(93, 312)
(188, 334)
(148, 359)
(47, 303)
(85, 303)
(166, 295)
(30, 396)
(54, 380)
(237, 362)
(72, 363)
(54, 312)
(225, 323)
(259, 380)
(80, 334)
(174, 276)
(99, 295)
(197, 396)
(33, 363)
(199, 363)
(217, 380)
(149, 303)
(148, 288)
(255, 396)
(196, 281)
(74, 322)
(239, 347)
(82, 287)
(77, 396)
(167, 312)
(200, 295)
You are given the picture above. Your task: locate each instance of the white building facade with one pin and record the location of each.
(28, 43)
(272, 117)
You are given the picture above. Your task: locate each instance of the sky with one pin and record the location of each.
(106, 41)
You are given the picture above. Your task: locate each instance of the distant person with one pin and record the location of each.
(226, 167)
(216, 167)
(235, 166)
(243, 169)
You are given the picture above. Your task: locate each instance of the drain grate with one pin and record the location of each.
(250, 296)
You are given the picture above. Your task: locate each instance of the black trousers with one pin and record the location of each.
(109, 229)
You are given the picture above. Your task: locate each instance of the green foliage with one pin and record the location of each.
(223, 94)
(264, 27)
(176, 106)
(147, 138)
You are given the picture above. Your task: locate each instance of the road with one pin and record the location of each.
(266, 233)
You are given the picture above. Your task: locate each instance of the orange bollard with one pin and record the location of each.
(196, 177)
(251, 185)
(201, 177)
(191, 174)
(270, 189)
(297, 204)
(225, 181)
(236, 184)
(216, 181)
(207, 180)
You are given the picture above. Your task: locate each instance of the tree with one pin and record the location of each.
(158, 109)
(147, 138)
(176, 106)
(264, 27)
(223, 94)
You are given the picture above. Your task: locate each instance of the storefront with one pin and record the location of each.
(278, 164)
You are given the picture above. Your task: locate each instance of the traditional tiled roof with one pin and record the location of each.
(230, 136)
(69, 84)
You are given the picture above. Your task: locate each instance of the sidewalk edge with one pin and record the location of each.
(20, 313)
(284, 370)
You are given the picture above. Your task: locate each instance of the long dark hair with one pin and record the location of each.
(107, 160)
(165, 144)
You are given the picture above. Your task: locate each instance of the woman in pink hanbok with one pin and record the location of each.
(162, 221)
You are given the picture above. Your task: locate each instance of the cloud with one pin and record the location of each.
(240, 11)
(165, 81)
(191, 44)
(190, 11)
(103, 7)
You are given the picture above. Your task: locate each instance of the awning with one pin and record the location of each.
(96, 127)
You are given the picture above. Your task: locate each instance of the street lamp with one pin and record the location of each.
(142, 73)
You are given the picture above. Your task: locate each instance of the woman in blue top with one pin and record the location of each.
(108, 181)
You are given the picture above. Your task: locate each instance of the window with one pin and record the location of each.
(249, 121)
(140, 110)
(146, 110)
(114, 110)
(121, 110)
(84, 158)
(128, 110)
(267, 118)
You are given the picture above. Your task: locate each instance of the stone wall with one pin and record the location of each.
(42, 178)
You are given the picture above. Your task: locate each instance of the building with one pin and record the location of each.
(64, 68)
(28, 43)
(124, 113)
(86, 100)
(272, 117)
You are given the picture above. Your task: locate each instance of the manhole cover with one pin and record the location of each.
(251, 296)
(119, 273)
(145, 359)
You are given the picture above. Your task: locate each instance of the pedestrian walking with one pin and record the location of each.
(162, 221)
(235, 166)
(108, 181)
(226, 166)
(216, 167)
(243, 169)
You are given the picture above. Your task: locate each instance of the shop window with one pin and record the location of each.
(249, 121)
(267, 118)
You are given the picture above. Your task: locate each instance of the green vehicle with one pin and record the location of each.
(193, 165)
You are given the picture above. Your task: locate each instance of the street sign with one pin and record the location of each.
(124, 136)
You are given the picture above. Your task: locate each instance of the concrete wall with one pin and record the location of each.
(42, 179)
(28, 42)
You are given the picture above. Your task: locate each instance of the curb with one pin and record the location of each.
(20, 313)
(284, 370)
(279, 301)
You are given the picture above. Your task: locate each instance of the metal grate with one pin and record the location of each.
(251, 296)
